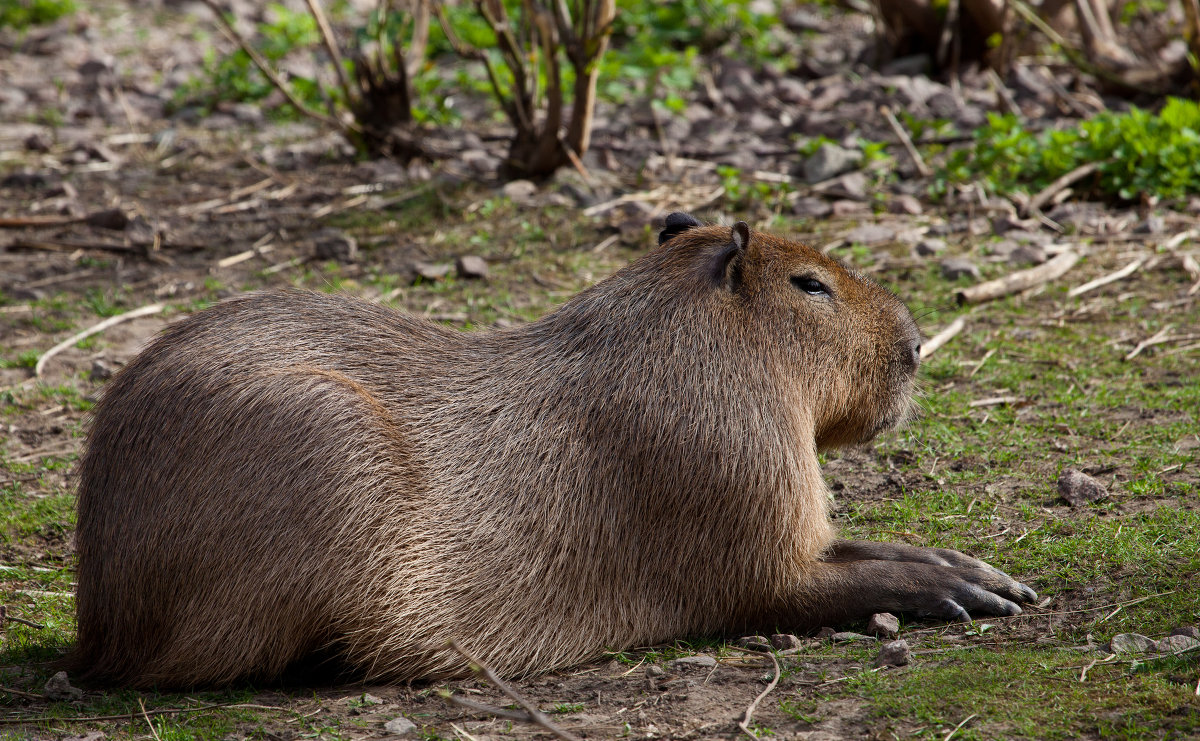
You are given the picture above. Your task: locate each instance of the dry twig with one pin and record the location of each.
(1157, 338)
(1105, 280)
(534, 715)
(906, 140)
(5, 617)
(1043, 196)
(94, 329)
(744, 723)
(153, 730)
(1020, 280)
(941, 338)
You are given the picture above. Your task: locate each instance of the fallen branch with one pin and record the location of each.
(1157, 338)
(94, 329)
(744, 723)
(941, 338)
(1105, 280)
(535, 716)
(4, 616)
(153, 731)
(1020, 280)
(907, 141)
(1045, 194)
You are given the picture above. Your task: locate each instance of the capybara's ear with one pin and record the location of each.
(676, 223)
(727, 270)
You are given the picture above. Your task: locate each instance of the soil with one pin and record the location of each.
(84, 129)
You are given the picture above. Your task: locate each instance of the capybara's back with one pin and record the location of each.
(292, 475)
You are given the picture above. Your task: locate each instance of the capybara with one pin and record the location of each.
(292, 475)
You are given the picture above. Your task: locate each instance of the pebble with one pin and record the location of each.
(851, 637)
(1190, 631)
(1174, 644)
(1027, 254)
(894, 653)
(58, 688)
(754, 643)
(432, 271)
(1131, 643)
(931, 246)
(334, 245)
(954, 268)
(785, 641)
(400, 727)
(472, 267)
(1078, 488)
(905, 204)
(870, 234)
(884, 625)
(829, 161)
(693, 662)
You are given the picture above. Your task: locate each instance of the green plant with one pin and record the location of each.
(22, 14)
(1137, 154)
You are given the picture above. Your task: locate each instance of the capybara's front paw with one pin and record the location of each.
(958, 592)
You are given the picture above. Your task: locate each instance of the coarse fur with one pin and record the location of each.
(295, 474)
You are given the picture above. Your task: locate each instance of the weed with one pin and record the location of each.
(24, 14)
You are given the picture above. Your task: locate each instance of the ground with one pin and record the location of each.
(207, 206)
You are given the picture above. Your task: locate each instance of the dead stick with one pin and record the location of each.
(1110, 278)
(26, 221)
(4, 616)
(906, 140)
(153, 731)
(269, 73)
(535, 715)
(941, 338)
(1020, 280)
(1155, 339)
(1045, 194)
(22, 693)
(744, 723)
(94, 329)
(481, 707)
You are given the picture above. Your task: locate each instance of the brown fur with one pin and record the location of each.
(288, 474)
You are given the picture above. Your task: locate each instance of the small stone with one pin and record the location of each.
(1154, 224)
(954, 268)
(931, 246)
(754, 643)
(521, 192)
(1078, 488)
(37, 143)
(870, 234)
(400, 726)
(334, 245)
(693, 662)
(826, 633)
(654, 670)
(786, 641)
(471, 267)
(894, 653)
(1131, 643)
(850, 637)
(58, 688)
(1174, 644)
(1190, 631)
(109, 218)
(884, 625)
(102, 370)
(846, 207)
(1027, 254)
(369, 699)
(811, 207)
(431, 270)
(905, 204)
(829, 161)
(854, 185)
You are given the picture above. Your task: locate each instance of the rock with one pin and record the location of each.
(785, 641)
(369, 699)
(1174, 644)
(931, 246)
(331, 244)
(521, 192)
(693, 662)
(1190, 631)
(811, 207)
(954, 268)
(58, 688)
(844, 207)
(400, 727)
(471, 267)
(109, 218)
(905, 204)
(1154, 224)
(884, 625)
(854, 185)
(754, 643)
(432, 271)
(829, 161)
(654, 670)
(850, 637)
(826, 633)
(1078, 488)
(37, 142)
(1027, 254)
(102, 370)
(870, 234)
(894, 653)
(1131, 643)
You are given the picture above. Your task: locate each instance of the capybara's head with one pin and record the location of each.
(850, 346)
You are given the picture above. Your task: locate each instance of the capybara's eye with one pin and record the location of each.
(811, 286)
